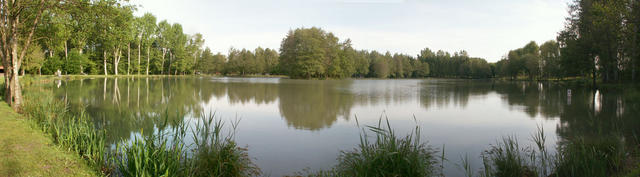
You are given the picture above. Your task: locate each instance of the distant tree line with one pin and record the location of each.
(312, 52)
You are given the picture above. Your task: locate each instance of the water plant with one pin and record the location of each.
(388, 155)
(166, 153)
(591, 157)
(506, 158)
(216, 153)
(73, 132)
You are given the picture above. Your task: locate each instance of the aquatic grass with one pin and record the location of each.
(591, 157)
(150, 156)
(75, 133)
(579, 156)
(217, 154)
(389, 155)
(466, 166)
(79, 135)
(507, 159)
(542, 159)
(166, 154)
(162, 153)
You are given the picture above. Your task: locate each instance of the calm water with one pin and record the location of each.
(289, 125)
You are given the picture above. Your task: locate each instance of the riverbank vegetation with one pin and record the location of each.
(164, 152)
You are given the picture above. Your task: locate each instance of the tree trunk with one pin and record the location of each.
(13, 92)
(66, 53)
(116, 60)
(138, 68)
(593, 74)
(66, 56)
(170, 57)
(128, 57)
(164, 52)
(195, 57)
(104, 61)
(148, 60)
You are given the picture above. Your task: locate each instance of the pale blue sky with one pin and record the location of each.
(487, 29)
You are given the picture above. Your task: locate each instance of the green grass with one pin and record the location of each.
(25, 151)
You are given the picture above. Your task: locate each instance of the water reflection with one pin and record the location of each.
(127, 105)
(124, 106)
(314, 104)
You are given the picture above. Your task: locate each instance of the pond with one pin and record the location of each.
(289, 125)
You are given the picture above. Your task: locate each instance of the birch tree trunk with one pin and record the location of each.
(148, 60)
(128, 57)
(138, 68)
(116, 60)
(170, 57)
(104, 62)
(164, 52)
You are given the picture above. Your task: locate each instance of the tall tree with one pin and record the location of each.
(18, 22)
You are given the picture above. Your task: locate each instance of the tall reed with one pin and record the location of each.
(217, 154)
(74, 132)
(166, 153)
(507, 159)
(591, 157)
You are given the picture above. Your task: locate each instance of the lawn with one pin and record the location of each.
(26, 151)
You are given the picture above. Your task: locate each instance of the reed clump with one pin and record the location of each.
(388, 155)
(165, 153)
(591, 157)
(73, 132)
(216, 153)
(579, 156)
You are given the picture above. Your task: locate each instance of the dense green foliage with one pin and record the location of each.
(460, 65)
(601, 39)
(313, 52)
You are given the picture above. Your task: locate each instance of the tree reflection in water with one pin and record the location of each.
(318, 104)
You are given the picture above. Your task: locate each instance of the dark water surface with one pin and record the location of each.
(289, 125)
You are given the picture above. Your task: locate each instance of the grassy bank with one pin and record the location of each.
(26, 151)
